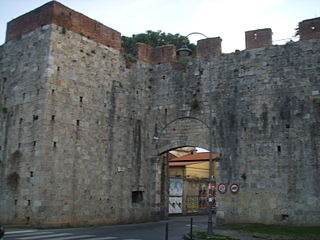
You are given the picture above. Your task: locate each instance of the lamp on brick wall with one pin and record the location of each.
(184, 51)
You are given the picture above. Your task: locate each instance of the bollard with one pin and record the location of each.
(1, 231)
(191, 223)
(167, 228)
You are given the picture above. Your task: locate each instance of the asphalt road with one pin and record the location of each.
(178, 226)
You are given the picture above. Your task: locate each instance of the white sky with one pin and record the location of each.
(228, 19)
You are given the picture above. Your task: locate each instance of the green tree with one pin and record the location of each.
(155, 39)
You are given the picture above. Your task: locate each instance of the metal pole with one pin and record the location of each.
(210, 181)
(167, 228)
(191, 226)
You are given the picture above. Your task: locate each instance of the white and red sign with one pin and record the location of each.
(234, 188)
(222, 188)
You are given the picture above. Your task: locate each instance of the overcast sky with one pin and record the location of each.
(228, 19)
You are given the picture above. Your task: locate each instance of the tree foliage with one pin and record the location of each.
(154, 39)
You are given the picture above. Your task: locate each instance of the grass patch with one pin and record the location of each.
(203, 236)
(195, 104)
(294, 232)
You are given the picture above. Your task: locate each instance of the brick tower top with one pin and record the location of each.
(309, 29)
(56, 13)
(258, 38)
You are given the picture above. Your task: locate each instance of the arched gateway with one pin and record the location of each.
(81, 127)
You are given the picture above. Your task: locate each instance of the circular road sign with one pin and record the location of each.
(222, 188)
(234, 188)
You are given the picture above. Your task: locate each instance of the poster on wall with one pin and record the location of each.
(203, 197)
(176, 187)
(175, 205)
(192, 204)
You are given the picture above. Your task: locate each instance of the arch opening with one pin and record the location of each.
(185, 180)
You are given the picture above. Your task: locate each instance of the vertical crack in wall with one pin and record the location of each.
(111, 117)
(138, 154)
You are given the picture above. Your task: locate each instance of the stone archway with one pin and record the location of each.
(180, 132)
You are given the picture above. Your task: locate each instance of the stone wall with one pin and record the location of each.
(24, 66)
(265, 118)
(72, 135)
(82, 136)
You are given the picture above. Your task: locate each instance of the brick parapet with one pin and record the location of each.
(163, 54)
(143, 52)
(55, 13)
(209, 47)
(258, 38)
(309, 29)
(157, 55)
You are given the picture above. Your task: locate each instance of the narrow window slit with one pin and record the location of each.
(279, 148)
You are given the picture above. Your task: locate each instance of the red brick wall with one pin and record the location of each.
(158, 55)
(143, 52)
(209, 47)
(56, 13)
(164, 54)
(258, 38)
(309, 29)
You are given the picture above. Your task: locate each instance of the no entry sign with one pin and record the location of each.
(222, 188)
(234, 188)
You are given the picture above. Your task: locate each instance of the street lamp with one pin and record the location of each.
(184, 51)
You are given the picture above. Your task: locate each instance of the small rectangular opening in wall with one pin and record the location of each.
(52, 91)
(279, 148)
(287, 125)
(23, 95)
(29, 202)
(54, 144)
(15, 202)
(38, 91)
(137, 196)
(21, 120)
(53, 117)
(284, 217)
(78, 122)
(81, 98)
(34, 143)
(35, 117)
(31, 174)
